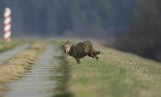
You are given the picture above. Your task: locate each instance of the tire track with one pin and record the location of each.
(38, 82)
(11, 53)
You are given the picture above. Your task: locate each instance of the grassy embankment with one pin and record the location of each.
(115, 74)
(15, 67)
(4, 46)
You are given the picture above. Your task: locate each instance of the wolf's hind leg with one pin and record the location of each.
(95, 55)
(91, 55)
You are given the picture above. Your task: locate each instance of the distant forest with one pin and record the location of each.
(143, 37)
(91, 18)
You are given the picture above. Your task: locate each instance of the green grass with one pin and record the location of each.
(62, 78)
(4, 46)
(115, 74)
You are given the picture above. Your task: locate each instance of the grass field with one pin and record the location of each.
(115, 74)
(4, 46)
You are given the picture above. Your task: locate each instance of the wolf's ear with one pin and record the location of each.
(62, 42)
(68, 42)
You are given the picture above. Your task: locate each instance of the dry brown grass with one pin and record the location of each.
(15, 67)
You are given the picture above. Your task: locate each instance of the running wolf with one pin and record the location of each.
(80, 50)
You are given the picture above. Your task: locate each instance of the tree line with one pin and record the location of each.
(144, 35)
(67, 17)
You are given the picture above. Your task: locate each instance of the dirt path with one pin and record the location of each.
(11, 53)
(37, 83)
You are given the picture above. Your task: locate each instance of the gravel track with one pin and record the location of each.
(37, 83)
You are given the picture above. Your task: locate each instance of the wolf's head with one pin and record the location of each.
(66, 46)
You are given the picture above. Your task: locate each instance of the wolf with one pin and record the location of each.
(80, 50)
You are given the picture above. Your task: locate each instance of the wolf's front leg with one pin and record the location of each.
(78, 60)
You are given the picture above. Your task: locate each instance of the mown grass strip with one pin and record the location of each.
(61, 74)
(15, 67)
(4, 46)
(115, 74)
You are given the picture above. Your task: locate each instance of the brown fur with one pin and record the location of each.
(80, 50)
